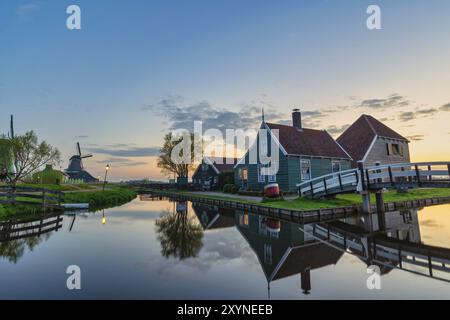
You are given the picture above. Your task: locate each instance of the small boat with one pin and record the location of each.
(75, 205)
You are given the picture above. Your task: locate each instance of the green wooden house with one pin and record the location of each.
(304, 154)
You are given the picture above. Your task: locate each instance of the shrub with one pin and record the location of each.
(234, 189)
(228, 188)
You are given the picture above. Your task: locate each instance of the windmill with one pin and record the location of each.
(76, 168)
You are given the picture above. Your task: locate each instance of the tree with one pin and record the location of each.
(165, 161)
(28, 155)
(180, 235)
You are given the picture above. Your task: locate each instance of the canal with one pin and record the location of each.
(158, 249)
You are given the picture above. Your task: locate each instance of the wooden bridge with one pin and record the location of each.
(375, 178)
(49, 199)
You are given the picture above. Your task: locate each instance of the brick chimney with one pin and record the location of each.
(297, 119)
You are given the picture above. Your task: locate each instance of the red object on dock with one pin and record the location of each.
(272, 190)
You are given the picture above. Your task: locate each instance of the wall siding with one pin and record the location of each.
(378, 153)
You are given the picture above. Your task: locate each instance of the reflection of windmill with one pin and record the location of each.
(76, 168)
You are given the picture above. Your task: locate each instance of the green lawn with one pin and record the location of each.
(340, 201)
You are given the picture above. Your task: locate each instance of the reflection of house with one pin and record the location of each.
(370, 141)
(303, 154)
(283, 249)
(213, 173)
(213, 217)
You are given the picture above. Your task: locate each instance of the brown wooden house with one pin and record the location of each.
(372, 142)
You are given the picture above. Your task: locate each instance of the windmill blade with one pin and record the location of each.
(89, 155)
(78, 149)
(11, 132)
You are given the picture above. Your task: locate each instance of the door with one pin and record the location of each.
(244, 178)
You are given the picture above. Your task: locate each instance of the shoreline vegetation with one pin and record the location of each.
(304, 204)
(84, 193)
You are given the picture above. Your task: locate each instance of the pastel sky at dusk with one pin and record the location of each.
(138, 69)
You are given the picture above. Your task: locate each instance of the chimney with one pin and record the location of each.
(297, 119)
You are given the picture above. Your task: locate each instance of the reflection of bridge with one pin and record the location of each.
(377, 178)
(386, 252)
(404, 175)
(13, 230)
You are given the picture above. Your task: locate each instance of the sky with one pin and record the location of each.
(138, 69)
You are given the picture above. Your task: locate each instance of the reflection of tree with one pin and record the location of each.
(13, 250)
(180, 235)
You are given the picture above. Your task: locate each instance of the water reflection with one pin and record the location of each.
(179, 233)
(18, 235)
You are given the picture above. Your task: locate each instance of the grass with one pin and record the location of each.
(101, 199)
(98, 199)
(340, 200)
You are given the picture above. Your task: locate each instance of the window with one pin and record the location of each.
(268, 254)
(261, 176)
(335, 166)
(305, 169)
(243, 219)
(263, 146)
(394, 149)
(273, 172)
(244, 174)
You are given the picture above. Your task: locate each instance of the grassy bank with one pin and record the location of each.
(340, 200)
(98, 199)
(101, 199)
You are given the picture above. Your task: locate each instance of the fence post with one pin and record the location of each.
(429, 171)
(391, 178)
(361, 171)
(340, 182)
(325, 185)
(417, 175)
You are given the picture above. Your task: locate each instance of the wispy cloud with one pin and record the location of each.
(392, 101)
(26, 9)
(411, 115)
(182, 115)
(415, 137)
(126, 152)
(122, 162)
(337, 129)
(445, 107)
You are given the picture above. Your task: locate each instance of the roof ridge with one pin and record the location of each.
(366, 117)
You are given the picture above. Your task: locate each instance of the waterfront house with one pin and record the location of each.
(372, 142)
(213, 173)
(303, 154)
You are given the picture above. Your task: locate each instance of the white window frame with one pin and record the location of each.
(301, 169)
(261, 177)
(332, 165)
(272, 177)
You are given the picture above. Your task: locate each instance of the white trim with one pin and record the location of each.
(370, 148)
(339, 145)
(275, 139)
(211, 163)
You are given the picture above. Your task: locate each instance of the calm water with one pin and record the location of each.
(164, 249)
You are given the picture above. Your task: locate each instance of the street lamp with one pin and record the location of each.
(106, 175)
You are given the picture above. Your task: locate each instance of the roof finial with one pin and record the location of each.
(262, 115)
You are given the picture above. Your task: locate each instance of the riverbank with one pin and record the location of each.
(96, 197)
(308, 210)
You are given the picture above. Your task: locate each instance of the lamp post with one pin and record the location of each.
(106, 175)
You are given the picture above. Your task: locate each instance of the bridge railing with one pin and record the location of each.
(412, 174)
(332, 183)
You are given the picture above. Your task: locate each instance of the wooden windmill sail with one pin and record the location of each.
(76, 170)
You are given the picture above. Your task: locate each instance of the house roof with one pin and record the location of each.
(304, 257)
(308, 142)
(222, 164)
(359, 136)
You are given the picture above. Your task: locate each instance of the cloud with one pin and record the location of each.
(122, 162)
(392, 101)
(336, 130)
(410, 115)
(445, 107)
(182, 116)
(126, 152)
(24, 10)
(81, 137)
(415, 137)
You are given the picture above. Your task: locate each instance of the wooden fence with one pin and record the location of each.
(31, 196)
